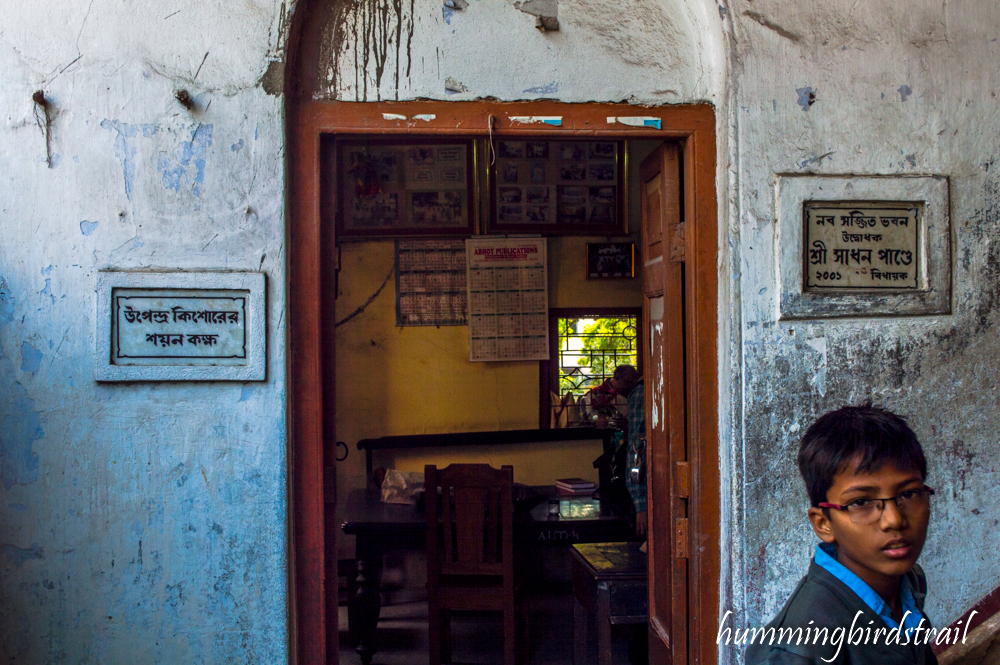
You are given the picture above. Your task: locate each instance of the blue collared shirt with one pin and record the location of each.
(826, 556)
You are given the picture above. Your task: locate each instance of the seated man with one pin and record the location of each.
(603, 405)
(864, 470)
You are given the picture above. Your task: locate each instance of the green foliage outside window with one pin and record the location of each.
(598, 347)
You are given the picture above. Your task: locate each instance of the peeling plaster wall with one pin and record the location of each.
(138, 522)
(646, 53)
(881, 87)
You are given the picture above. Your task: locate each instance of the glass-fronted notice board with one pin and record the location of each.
(550, 186)
(404, 187)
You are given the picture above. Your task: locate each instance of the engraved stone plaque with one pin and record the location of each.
(851, 245)
(861, 245)
(180, 326)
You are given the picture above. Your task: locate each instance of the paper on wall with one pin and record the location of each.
(508, 299)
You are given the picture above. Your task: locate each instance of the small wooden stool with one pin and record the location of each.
(609, 579)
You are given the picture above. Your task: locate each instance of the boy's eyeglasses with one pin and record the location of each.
(866, 511)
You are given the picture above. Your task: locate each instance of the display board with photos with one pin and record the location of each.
(558, 186)
(398, 187)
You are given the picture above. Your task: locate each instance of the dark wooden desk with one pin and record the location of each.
(609, 581)
(383, 527)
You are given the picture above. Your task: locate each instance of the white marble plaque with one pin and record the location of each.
(180, 327)
(861, 245)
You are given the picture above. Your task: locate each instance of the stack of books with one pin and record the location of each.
(575, 487)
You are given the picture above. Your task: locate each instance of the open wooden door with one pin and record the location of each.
(680, 306)
(665, 449)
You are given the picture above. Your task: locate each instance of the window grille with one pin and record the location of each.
(591, 348)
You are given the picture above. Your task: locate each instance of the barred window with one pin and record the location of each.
(586, 349)
(591, 349)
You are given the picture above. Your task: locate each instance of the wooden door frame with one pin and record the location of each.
(310, 366)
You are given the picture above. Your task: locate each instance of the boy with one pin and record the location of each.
(864, 471)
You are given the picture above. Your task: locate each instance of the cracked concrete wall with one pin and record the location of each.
(882, 87)
(138, 522)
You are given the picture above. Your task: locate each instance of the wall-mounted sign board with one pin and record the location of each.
(508, 299)
(863, 246)
(430, 283)
(180, 327)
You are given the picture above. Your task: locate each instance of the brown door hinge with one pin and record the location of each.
(680, 538)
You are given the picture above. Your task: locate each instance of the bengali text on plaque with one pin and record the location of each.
(861, 245)
(179, 327)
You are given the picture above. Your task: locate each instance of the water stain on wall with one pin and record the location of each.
(18, 555)
(7, 304)
(31, 358)
(371, 30)
(125, 148)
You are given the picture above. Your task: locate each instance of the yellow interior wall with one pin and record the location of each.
(418, 380)
(534, 464)
(568, 283)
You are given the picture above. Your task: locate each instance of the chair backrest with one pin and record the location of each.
(470, 518)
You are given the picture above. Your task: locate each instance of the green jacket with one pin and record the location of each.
(827, 602)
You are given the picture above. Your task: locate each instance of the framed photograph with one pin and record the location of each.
(558, 187)
(610, 260)
(414, 186)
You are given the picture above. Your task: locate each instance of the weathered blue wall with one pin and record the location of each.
(146, 522)
(899, 88)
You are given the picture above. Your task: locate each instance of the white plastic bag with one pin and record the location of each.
(402, 486)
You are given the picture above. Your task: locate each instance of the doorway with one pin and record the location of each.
(311, 299)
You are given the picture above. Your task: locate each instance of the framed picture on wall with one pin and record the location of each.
(558, 187)
(610, 260)
(417, 186)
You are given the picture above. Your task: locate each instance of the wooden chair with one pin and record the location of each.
(470, 562)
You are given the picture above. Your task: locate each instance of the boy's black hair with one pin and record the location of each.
(869, 433)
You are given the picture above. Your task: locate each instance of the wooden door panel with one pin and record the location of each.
(668, 484)
(659, 521)
(652, 237)
(670, 492)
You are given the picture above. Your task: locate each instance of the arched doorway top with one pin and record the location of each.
(665, 52)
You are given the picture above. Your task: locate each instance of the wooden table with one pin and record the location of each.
(609, 580)
(383, 527)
